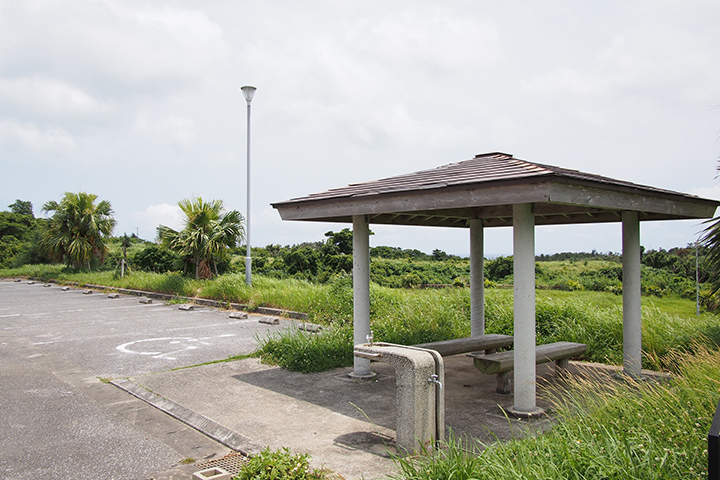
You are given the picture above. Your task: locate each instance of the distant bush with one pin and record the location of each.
(154, 258)
(303, 260)
(603, 280)
(499, 268)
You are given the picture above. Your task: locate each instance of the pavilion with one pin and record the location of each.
(498, 190)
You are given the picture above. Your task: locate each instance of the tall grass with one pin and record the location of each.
(173, 283)
(300, 352)
(417, 316)
(621, 430)
(406, 317)
(45, 272)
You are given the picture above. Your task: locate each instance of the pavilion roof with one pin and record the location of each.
(487, 186)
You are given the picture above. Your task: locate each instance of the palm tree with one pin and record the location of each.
(78, 229)
(208, 234)
(711, 240)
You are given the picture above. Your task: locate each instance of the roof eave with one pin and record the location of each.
(596, 203)
(464, 196)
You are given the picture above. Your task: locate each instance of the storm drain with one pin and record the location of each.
(231, 463)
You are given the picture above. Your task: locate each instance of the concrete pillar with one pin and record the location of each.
(524, 309)
(632, 323)
(477, 278)
(361, 290)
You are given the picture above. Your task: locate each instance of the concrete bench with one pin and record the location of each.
(502, 363)
(488, 343)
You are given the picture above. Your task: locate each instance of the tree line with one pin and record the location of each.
(77, 231)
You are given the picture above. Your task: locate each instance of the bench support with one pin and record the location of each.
(504, 379)
(420, 398)
(504, 382)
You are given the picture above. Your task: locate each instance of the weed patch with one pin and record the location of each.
(279, 464)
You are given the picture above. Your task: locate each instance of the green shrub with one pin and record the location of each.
(301, 260)
(279, 465)
(499, 268)
(305, 352)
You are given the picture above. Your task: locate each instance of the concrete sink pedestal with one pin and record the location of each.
(420, 398)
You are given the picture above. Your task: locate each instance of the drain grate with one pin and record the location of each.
(231, 463)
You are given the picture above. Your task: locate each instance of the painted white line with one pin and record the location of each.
(195, 327)
(184, 344)
(124, 347)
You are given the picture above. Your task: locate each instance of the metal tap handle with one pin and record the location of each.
(436, 380)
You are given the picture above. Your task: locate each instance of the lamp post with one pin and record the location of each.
(248, 93)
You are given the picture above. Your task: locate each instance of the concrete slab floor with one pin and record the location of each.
(346, 425)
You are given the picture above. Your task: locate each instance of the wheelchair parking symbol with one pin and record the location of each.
(166, 347)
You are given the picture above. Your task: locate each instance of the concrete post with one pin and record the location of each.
(477, 278)
(632, 323)
(524, 309)
(361, 291)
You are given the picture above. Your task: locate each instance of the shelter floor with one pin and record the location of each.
(346, 425)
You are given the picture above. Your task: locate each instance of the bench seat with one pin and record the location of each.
(502, 363)
(478, 343)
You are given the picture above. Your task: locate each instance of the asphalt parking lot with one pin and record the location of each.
(58, 419)
(117, 337)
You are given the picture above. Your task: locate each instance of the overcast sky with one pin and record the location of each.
(139, 103)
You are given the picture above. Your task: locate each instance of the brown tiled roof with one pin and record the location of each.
(484, 168)
(486, 187)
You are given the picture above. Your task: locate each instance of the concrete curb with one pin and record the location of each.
(202, 424)
(199, 301)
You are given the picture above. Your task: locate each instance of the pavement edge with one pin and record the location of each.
(202, 424)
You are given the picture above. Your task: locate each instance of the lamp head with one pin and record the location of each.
(248, 93)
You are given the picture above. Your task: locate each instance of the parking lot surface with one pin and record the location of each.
(58, 417)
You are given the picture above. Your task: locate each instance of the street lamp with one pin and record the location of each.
(248, 93)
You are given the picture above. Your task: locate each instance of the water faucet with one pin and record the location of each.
(436, 380)
(369, 338)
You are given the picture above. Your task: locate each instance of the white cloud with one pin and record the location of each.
(129, 44)
(155, 215)
(178, 128)
(30, 136)
(44, 96)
